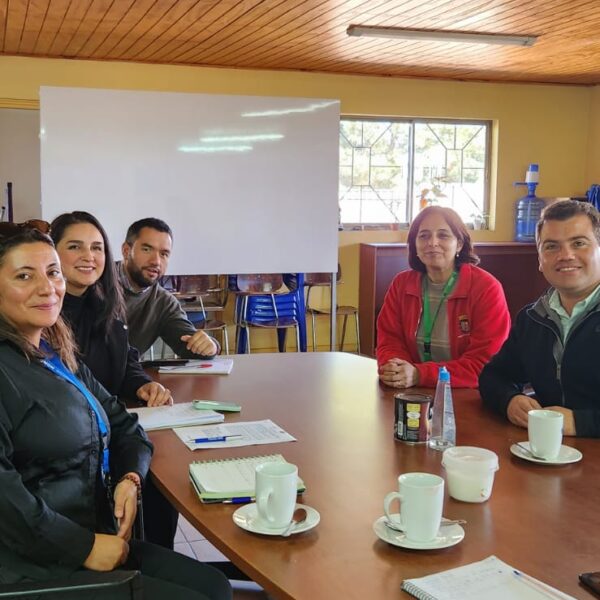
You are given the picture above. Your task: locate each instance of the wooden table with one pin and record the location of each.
(544, 520)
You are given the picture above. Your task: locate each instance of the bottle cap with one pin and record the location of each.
(444, 375)
(533, 173)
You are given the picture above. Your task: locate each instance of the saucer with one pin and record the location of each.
(247, 518)
(446, 537)
(567, 455)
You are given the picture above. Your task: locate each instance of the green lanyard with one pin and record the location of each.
(428, 323)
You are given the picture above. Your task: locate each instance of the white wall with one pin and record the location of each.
(20, 161)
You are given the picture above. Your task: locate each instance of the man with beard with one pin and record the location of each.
(152, 311)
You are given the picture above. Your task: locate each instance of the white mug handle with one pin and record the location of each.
(386, 507)
(262, 504)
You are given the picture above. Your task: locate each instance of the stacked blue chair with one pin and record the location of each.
(262, 303)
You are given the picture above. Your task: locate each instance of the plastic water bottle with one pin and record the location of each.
(443, 425)
(528, 208)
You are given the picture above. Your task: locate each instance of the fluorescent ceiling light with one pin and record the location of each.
(211, 149)
(289, 111)
(262, 137)
(441, 36)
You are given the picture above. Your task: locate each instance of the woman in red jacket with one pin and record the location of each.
(443, 311)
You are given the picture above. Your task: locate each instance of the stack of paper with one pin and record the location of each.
(217, 366)
(489, 579)
(178, 415)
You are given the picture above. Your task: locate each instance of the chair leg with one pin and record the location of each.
(225, 340)
(281, 339)
(297, 338)
(343, 333)
(314, 333)
(246, 328)
(240, 342)
(238, 333)
(357, 333)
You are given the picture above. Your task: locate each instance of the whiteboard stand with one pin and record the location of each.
(333, 314)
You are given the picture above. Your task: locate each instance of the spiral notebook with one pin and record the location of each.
(230, 479)
(490, 578)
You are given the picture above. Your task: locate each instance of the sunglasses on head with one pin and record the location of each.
(8, 230)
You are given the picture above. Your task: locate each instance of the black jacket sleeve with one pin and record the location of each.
(130, 449)
(134, 377)
(504, 376)
(30, 527)
(175, 324)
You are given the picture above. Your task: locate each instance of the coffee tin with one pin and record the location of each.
(412, 417)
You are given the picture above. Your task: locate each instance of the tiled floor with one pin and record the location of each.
(190, 542)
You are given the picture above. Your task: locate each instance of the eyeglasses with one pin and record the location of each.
(8, 230)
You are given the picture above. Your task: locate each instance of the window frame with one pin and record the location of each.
(412, 121)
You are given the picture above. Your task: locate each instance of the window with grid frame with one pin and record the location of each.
(391, 168)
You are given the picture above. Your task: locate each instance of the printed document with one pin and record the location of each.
(252, 433)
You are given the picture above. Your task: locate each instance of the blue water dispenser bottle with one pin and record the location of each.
(528, 208)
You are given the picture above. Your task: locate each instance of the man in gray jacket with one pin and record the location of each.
(152, 311)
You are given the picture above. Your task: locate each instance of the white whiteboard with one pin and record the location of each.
(248, 184)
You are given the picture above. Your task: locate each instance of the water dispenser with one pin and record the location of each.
(528, 208)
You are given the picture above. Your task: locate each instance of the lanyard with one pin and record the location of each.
(428, 323)
(55, 365)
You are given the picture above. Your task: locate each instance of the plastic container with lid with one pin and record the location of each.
(470, 472)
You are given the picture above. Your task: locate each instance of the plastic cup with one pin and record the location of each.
(470, 472)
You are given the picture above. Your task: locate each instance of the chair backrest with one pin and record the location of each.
(211, 288)
(261, 283)
(311, 279)
(195, 283)
(170, 282)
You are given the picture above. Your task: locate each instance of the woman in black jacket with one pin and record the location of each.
(94, 308)
(72, 460)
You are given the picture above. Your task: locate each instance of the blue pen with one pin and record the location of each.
(543, 588)
(216, 438)
(241, 500)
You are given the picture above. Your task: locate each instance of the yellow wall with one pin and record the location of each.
(593, 148)
(552, 125)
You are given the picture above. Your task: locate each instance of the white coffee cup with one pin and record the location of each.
(421, 497)
(276, 490)
(545, 428)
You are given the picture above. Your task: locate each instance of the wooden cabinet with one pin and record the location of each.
(515, 265)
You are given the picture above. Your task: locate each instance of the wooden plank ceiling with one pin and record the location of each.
(310, 35)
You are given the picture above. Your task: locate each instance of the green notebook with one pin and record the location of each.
(231, 479)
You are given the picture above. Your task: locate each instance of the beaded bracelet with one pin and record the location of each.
(135, 481)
